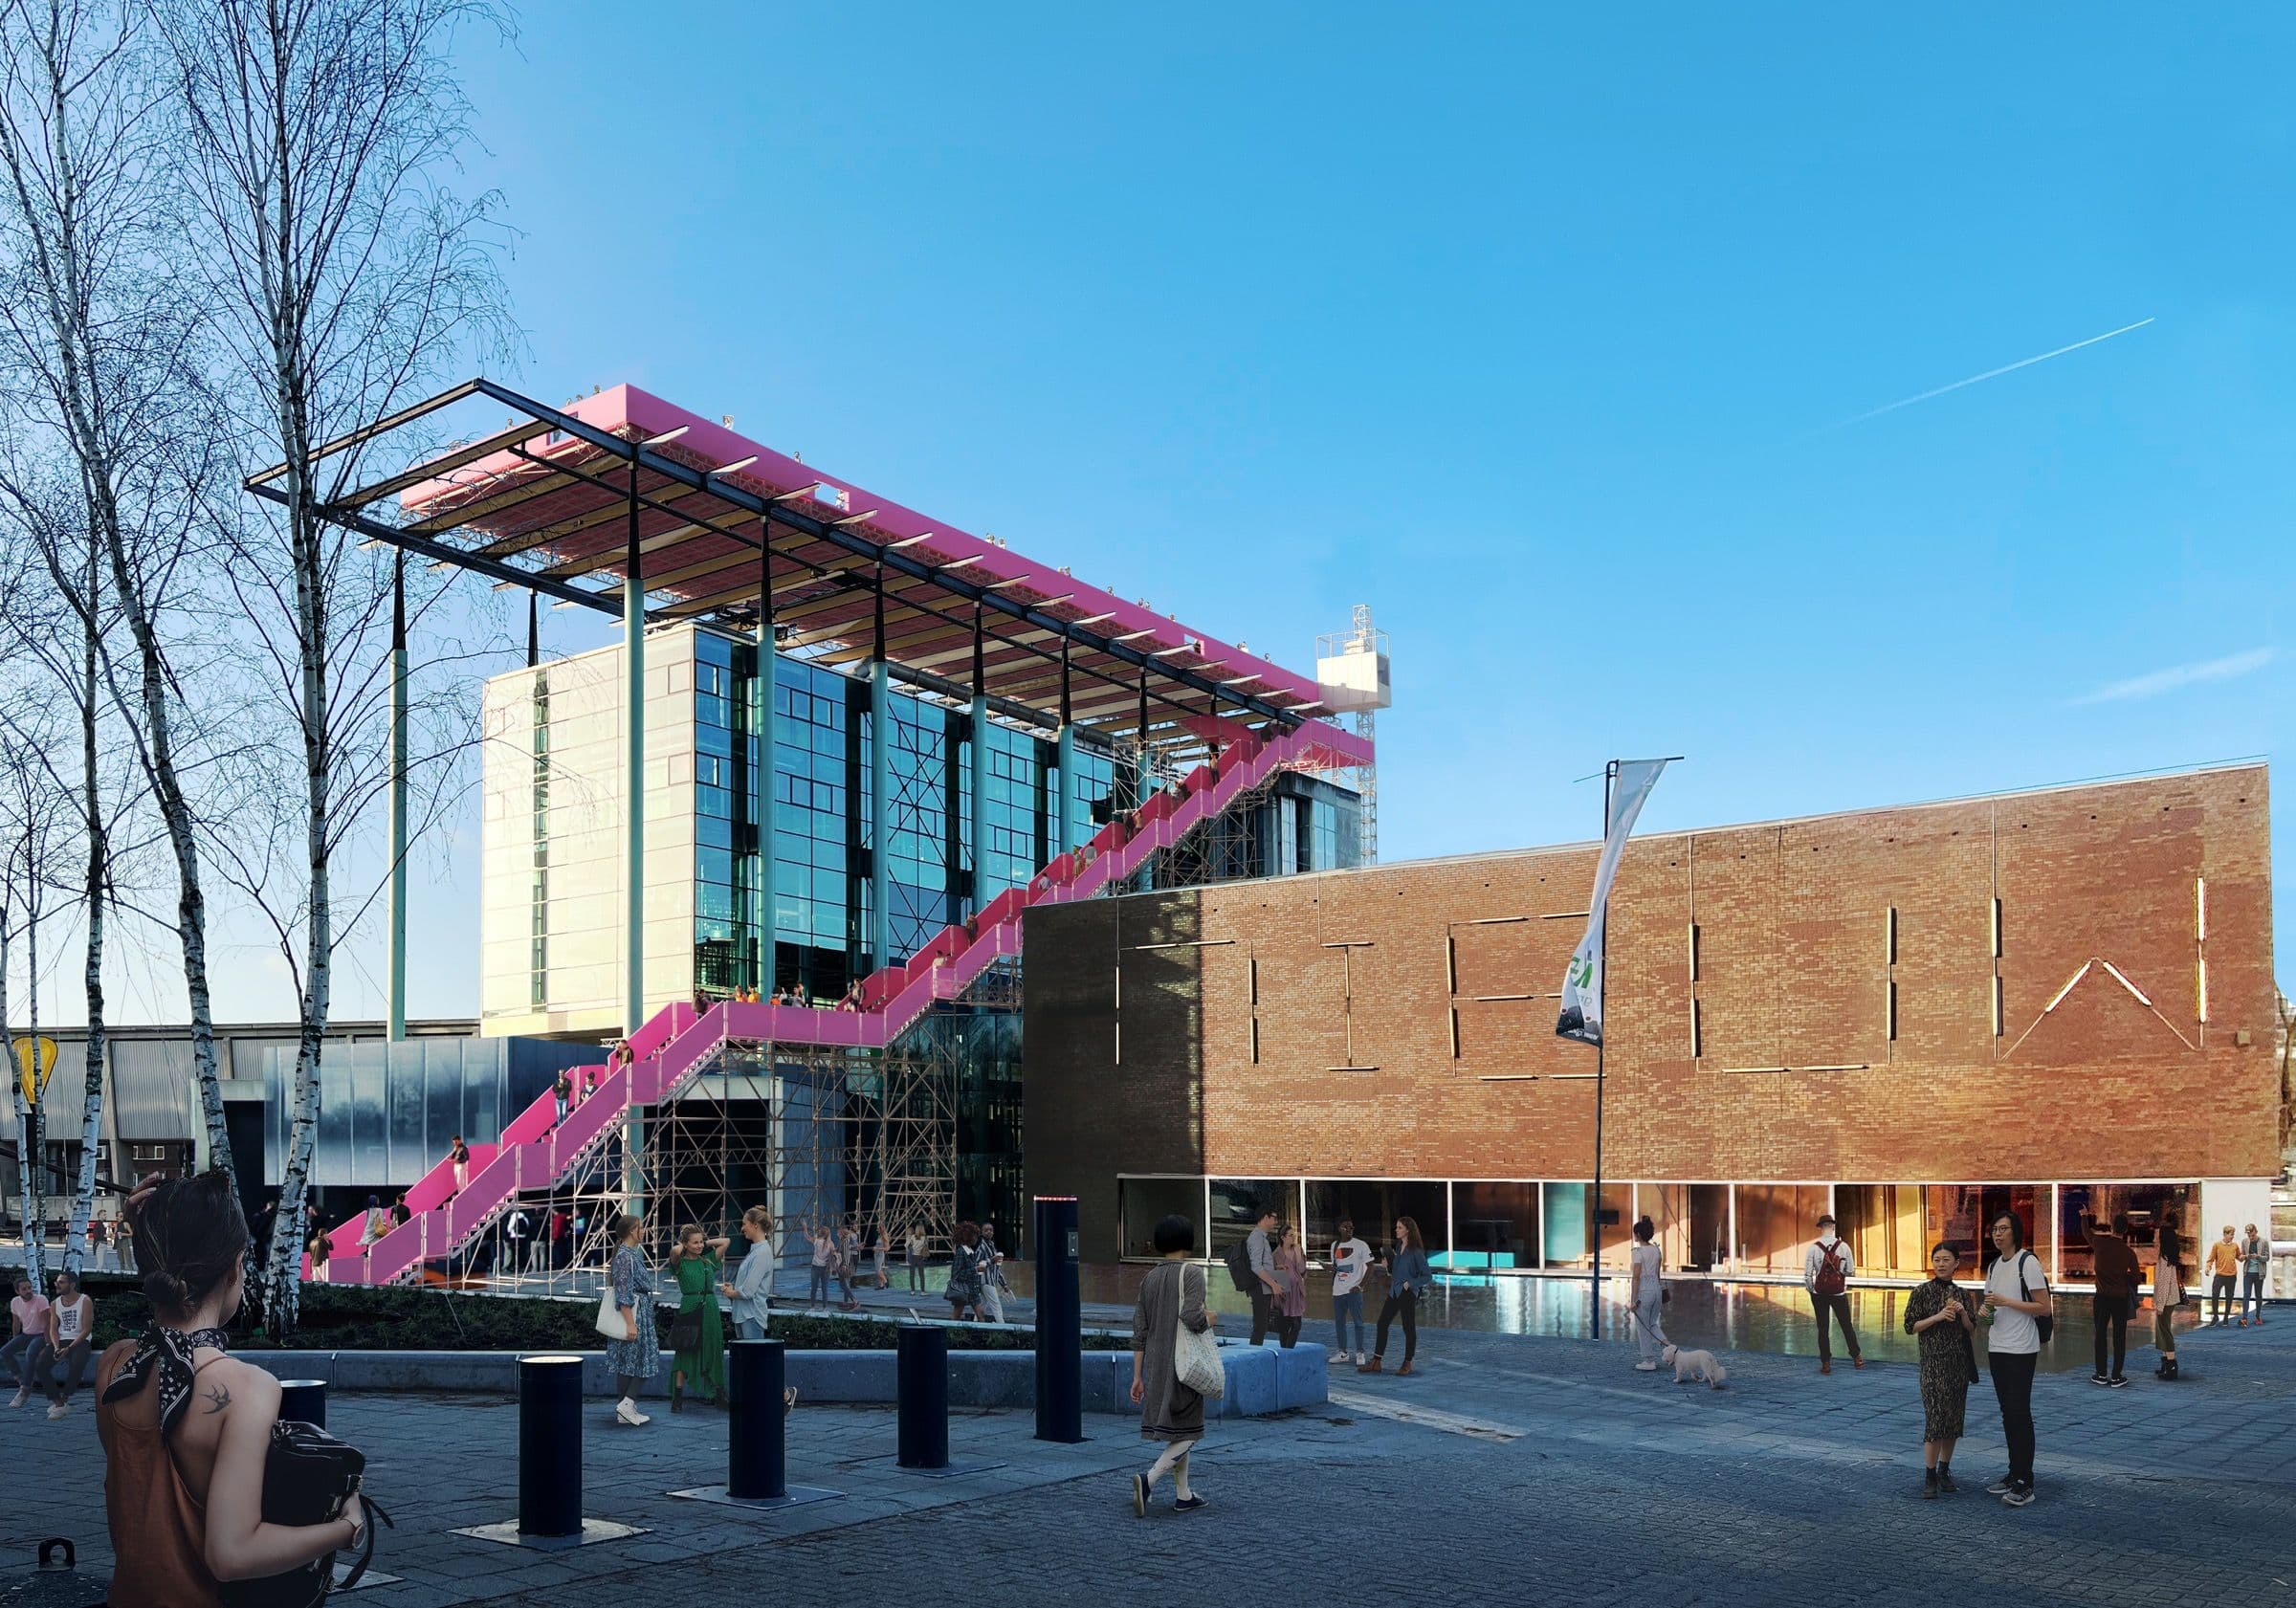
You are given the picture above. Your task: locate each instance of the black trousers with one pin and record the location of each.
(2013, 1387)
(2109, 1314)
(2221, 1296)
(1838, 1304)
(1407, 1307)
(1286, 1331)
(1263, 1312)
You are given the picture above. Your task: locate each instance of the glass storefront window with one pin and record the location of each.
(1883, 1224)
(1495, 1225)
(1141, 1203)
(1373, 1205)
(1236, 1206)
(1777, 1222)
(1692, 1221)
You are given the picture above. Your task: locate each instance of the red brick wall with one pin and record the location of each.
(1793, 971)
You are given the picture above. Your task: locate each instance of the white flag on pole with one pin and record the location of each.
(1582, 985)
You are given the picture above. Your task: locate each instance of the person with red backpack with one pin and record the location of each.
(1825, 1272)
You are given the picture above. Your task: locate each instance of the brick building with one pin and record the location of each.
(2059, 1001)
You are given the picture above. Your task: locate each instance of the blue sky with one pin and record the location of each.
(1535, 328)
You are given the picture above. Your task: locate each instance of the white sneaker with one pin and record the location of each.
(1645, 1367)
(1361, 1358)
(58, 1409)
(626, 1411)
(18, 1399)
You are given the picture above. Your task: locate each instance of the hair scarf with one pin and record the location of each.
(167, 1352)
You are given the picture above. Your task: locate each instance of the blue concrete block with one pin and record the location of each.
(1250, 1381)
(1302, 1376)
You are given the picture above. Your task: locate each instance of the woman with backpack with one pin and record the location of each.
(2016, 1304)
(1172, 1299)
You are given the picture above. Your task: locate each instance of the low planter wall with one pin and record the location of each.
(1260, 1379)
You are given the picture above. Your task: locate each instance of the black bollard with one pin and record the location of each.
(549, 1445)
(1059, 1322)
(756, 1468)
(921, 1381)
(304, 1401)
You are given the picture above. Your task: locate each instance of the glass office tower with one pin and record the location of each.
(552, 789)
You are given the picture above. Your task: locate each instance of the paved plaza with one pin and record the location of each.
(1508, 1466)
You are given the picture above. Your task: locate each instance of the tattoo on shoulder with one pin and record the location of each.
(218, 1398)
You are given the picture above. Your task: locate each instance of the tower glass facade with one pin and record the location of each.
(714, 889)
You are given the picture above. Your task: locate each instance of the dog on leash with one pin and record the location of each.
(1690, 1365)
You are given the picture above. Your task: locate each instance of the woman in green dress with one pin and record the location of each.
(698, 1336)
(1939, 1313)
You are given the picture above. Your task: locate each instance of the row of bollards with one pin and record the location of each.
(756, 1464)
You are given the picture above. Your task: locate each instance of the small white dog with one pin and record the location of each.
(1690, 1365)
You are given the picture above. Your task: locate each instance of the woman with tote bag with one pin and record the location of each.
(1171, 1334)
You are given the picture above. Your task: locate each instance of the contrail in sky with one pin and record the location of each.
(1989, 374)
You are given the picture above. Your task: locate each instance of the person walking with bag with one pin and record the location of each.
(1407, 1275)
(993, 1287)
(186, 1428)
(2256, 1256)
(2168, 1290)
(1826, 1269)
(963, 1292)
(2117, 1277)
(914, 1252)
(1171, 1375)
(697, 1333)
(1939, 1314)
(1646, 1294)
(632, 1354)
(2017, 1303)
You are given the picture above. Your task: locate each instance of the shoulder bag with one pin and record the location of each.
(308, 1478)
(609, 1321)
(2044, 1322)
(1196, 1357)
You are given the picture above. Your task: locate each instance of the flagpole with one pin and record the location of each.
(1594, 1308)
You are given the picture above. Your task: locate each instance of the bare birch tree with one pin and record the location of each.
(101, 329)
(32, 834)
(344, 273)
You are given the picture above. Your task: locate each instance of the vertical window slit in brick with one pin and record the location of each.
(1997, 1005)
(1890, 938)
(1892, 1010)
(1997, 926)
(1450, 965)
(1693, 952)
(1454, 1033)
(1697, 1033)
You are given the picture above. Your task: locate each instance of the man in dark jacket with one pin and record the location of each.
(2117, 1278)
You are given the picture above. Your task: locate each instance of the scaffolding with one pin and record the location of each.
(817, 1135)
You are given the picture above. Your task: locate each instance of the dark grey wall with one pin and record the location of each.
(1090, 1114)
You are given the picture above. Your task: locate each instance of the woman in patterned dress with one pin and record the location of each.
(633, 1358)
(1939, 1313)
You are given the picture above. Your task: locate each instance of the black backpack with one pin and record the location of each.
(1239, 1266)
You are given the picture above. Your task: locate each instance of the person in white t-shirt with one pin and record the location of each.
(1645, 1293)
(1351, 1260)
(71, 1326)
(2017, 1298)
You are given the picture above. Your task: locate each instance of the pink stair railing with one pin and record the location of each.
(535, 1155)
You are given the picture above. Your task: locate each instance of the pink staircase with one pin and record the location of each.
(671, 1047)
